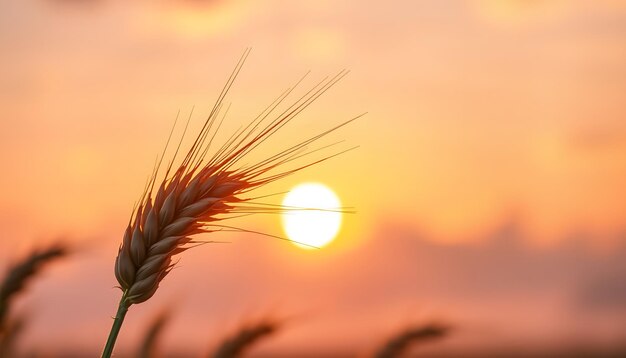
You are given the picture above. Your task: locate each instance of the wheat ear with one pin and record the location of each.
(399, 344)
(20, 273)
(151, 338)
(194, 198)
(245, 338)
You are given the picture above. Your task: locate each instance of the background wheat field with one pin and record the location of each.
(483, 212)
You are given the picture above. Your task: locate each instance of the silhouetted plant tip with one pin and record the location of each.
(244, 339)
(153, 334)
(19, 274)
(400, 344)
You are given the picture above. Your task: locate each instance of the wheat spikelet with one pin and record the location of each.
(203, 191)
(197, 194)
(399, 344)
(19, 274)
(245, 338)
(151, 338)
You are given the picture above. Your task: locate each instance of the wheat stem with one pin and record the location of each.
(115, 329)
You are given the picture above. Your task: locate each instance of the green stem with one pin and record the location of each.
(115, 330)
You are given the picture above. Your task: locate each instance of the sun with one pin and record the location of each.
(315, 217)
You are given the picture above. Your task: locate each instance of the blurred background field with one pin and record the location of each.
(489, 182)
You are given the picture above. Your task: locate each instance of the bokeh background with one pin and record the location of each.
(490, 182)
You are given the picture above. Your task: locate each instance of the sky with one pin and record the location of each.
(487, 185)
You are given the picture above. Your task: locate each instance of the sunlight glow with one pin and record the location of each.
(316, 219)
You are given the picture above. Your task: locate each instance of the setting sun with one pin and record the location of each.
(315, 219)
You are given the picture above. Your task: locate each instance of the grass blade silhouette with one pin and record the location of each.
(244, 339)
(9, 336)
(22, 272)
(154, 332)
(399, 344)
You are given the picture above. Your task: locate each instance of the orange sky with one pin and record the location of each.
(480, 114)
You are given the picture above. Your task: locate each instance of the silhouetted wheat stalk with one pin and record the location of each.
(9, 336)
(148, 347)
(194, 198)
(247, 336)
(20, 273)
(400, 343)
